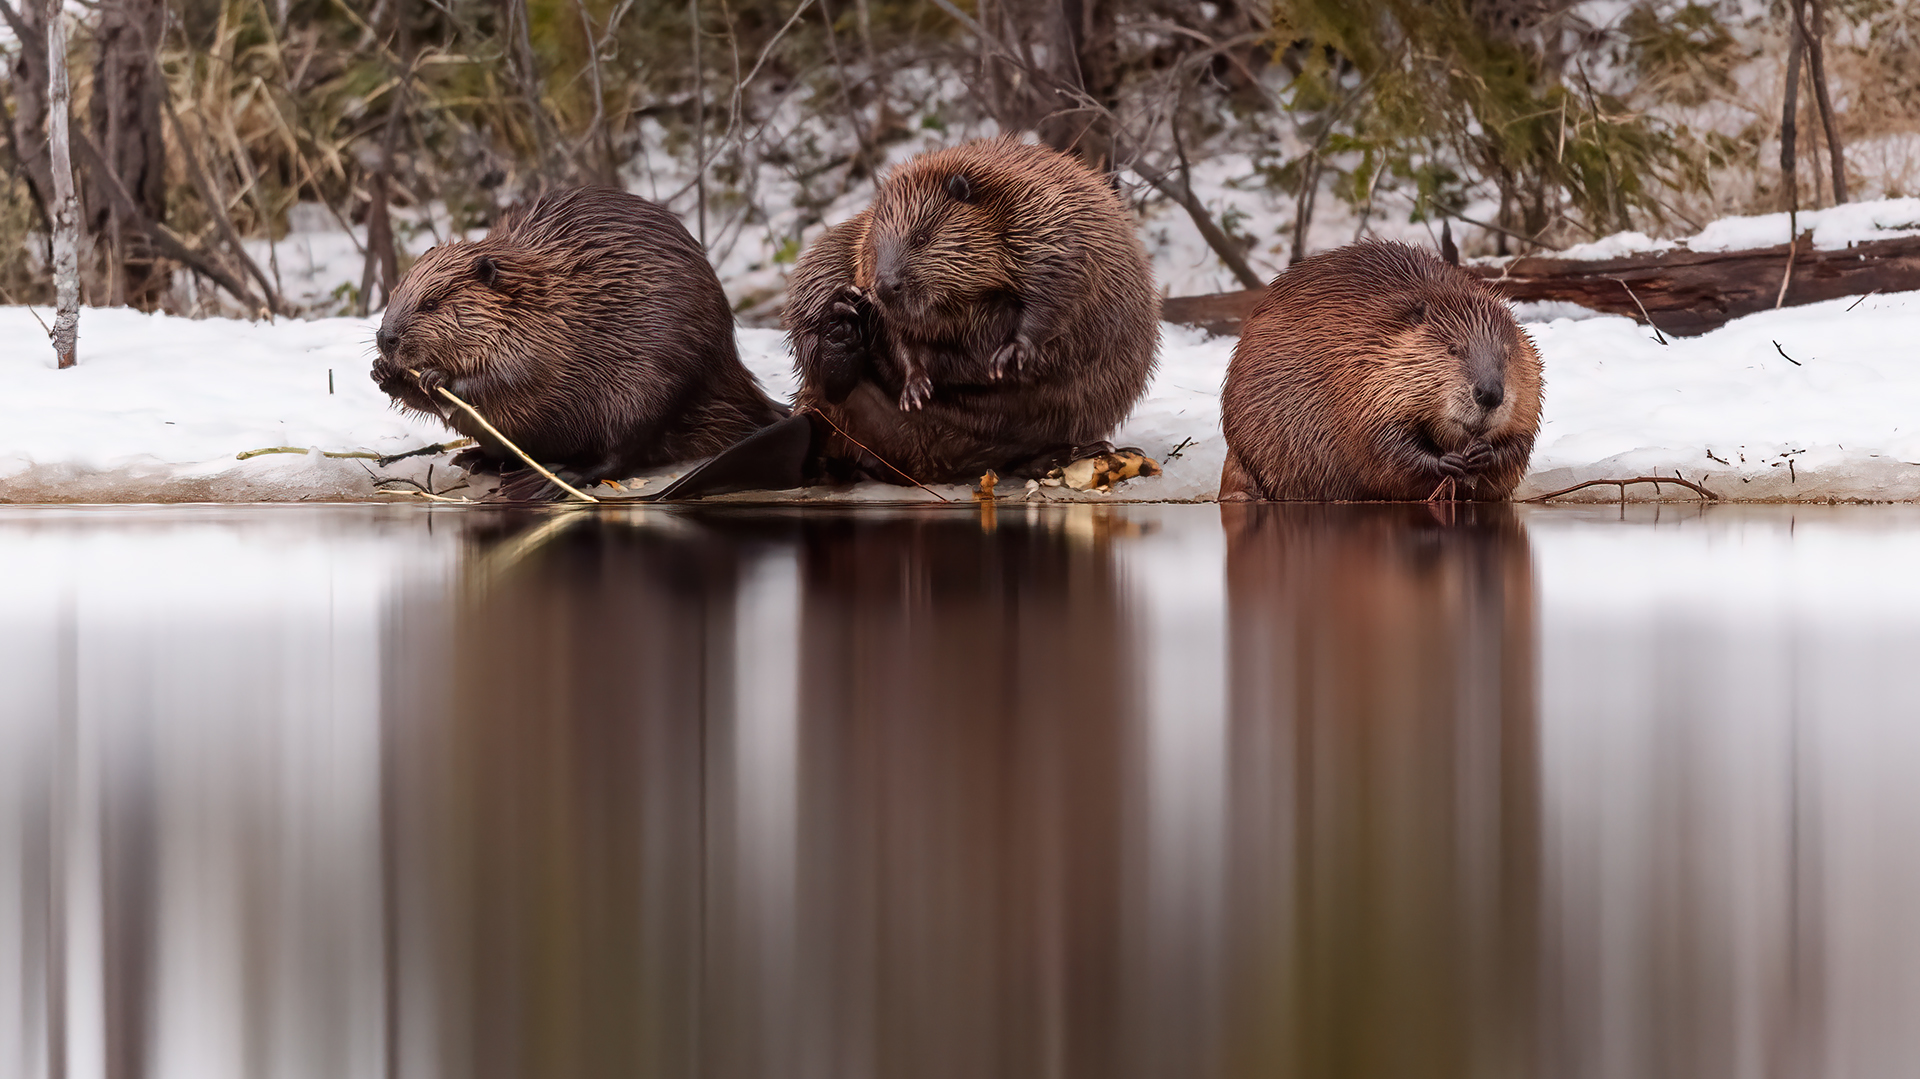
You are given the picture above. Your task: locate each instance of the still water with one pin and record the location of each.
(944, 792)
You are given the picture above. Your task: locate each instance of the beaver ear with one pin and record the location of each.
(1415, 312)
(486, 271)
(959, 187)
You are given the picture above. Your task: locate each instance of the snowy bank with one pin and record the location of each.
(159, 408)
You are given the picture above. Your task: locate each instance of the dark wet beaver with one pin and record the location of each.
(1373, 372)
(993, 306)
(588, 327)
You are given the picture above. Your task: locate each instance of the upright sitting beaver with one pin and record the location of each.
(1374, 372)
(588, 327)
(992, 307)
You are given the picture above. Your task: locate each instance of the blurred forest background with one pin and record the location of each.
(293, 156)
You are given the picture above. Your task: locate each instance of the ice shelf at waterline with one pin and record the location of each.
(159, 407)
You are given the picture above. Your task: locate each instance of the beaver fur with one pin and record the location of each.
(587, 326)
(992, 306)
(1372, 372)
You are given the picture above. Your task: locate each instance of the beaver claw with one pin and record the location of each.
(1009, 358)
(1466, 463)
(842, 330)
(917, 392)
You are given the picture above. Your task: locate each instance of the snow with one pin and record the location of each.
(1833, 228)
(159, 407)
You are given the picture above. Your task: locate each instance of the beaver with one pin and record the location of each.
(1373, 372)
(587, 326)
(992, 309)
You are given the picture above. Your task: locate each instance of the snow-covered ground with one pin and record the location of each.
(159, 408)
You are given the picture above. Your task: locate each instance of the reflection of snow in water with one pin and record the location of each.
(1174, 576)
(222, 688)
(1729, 741)
(766, 792)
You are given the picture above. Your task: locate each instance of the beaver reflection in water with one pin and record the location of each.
(587, 326)
(1375, 372)
(992, 307)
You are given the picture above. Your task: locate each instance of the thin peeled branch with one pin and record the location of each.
(1622, 484)
(454, 400)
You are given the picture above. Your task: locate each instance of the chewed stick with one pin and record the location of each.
(453, 399)
(1622, 484)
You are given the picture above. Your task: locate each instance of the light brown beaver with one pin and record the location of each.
(1373, 372)
(587, 326)
(993, 306)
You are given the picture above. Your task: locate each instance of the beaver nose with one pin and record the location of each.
(386, 340)
(1488, 395)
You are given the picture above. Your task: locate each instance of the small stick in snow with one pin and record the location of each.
(1784, 356)
(508, 443)
(306, 449)
(8, 296)
(1178, 450)
(1657, 335)
(1622, 484)
(1850, 306)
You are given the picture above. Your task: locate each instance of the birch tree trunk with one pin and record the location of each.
(66, 207)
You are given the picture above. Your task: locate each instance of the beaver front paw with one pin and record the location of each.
(1468, 462)
(432, 381)
(918, 390)
(1009, 358)
(842, 356)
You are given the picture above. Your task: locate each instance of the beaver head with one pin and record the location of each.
(1460, 361)
(936, 239)
(445, 321)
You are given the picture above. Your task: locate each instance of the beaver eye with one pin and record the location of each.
(427, 307)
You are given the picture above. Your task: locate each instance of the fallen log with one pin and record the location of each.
(1682, 292)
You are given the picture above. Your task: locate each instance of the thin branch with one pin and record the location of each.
(1535, 241)
(1622, 484)
(508, 443)
(1658, 336)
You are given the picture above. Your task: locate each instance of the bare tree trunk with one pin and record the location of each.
(866, 35)
(1081, 57)
(1817, 68)
(30, 106)
(1789, 135)
(66, 206)
(381, 255)
(126, 122)
(519, 35)
(1790, 120)
(699, 124)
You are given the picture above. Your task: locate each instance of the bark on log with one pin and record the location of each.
(1684, 292)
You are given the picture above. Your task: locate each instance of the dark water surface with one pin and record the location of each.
(1063, 791)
